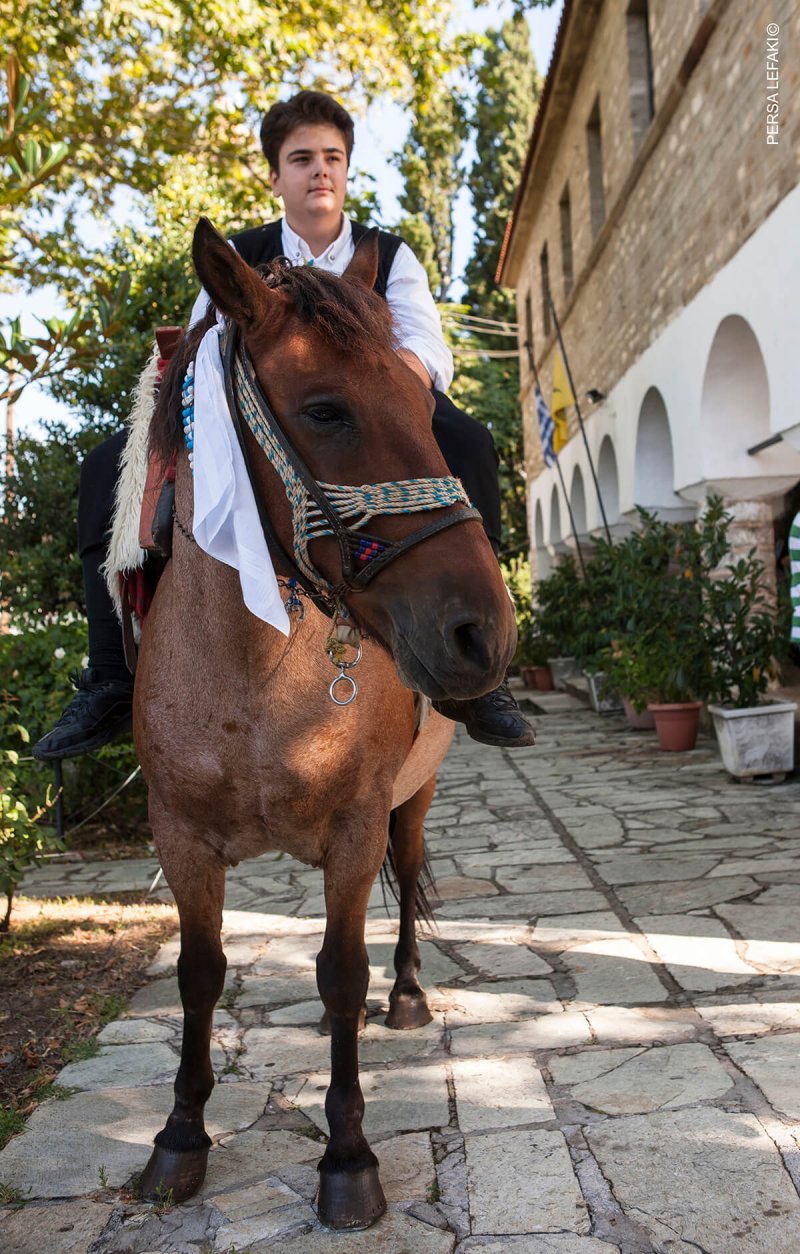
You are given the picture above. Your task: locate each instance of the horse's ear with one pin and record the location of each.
(234, 287)
(364, 265)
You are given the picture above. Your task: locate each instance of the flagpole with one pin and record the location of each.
(580, 418)
(535, 372)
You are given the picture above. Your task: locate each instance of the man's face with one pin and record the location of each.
(312, 177)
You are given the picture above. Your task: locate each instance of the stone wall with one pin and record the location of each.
(702, 181)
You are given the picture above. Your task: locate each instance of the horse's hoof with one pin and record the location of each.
(325, 1022)
(350, 1199)
(407, 1011)
(172, 1177)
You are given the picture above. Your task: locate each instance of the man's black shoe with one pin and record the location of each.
(100, 710)
(495, 719)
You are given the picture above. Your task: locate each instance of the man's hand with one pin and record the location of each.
(416, 365)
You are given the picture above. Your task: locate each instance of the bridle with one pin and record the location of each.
(325, 509)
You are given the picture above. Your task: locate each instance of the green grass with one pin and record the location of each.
(110, 1008)
(79, 1051)
(434, 1192)
(11, 1196)
(56, 1092)
(11, 1122)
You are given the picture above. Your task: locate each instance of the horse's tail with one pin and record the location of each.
(425, 888)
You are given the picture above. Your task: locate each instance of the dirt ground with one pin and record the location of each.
(66, 969)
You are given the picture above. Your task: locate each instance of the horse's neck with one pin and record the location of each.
(207, 592)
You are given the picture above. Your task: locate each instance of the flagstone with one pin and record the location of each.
(271, 1052)
(405, 1099)
(650, 1079)
(551, 1031)
(699, 952)
(525, 906)
(456, 887)
(121, 1066)
(612, 971)
(65, 1143)
(771, 934)
(499, 1002)
(396, 1233)
(69, 1228)
(558, 876)
(673, 897)
(772, 1064)
(699, 1179)
(523, 1181)
(135, 1032)
(252, 1155)
(503, 960)
(494, 1093)
(749, 1016)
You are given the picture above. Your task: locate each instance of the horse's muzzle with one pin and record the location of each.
(458, 659)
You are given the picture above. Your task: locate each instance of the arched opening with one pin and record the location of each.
(654, 468)
(577, 500)
(608, 480)
(735, 401)
(556, 535)
(543, 562)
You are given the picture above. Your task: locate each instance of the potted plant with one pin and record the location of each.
(558, 602)
(624, 671)
(532, 647)
(755, 735)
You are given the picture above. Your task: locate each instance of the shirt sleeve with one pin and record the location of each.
(199, 307)
(416, 318)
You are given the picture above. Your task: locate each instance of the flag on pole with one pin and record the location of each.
(546, 426)
(562, 399)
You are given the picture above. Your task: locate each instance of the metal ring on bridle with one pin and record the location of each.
(347, 679)
(346, 666)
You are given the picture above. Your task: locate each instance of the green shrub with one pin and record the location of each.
(23, 836)
(35, 667)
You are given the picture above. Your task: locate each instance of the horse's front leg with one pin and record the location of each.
(350, 1193)
(177, 1165)
(408, 1005)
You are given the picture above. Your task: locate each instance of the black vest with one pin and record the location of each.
(263, 244)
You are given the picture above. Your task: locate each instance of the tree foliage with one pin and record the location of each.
(103, 101)
(508, 89)
(430, 166)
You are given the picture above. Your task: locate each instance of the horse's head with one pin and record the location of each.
(323, 352)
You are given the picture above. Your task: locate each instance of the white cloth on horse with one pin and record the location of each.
(226, 523)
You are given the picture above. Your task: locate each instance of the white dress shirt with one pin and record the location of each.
(416, 319)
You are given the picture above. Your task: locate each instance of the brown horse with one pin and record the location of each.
(243, 749)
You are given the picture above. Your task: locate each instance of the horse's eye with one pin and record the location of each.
(323, 414)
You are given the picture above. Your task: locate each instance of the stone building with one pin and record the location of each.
(659, 206)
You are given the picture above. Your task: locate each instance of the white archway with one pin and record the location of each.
(735, 403)
(577, 500)
(654, 466)
(608, 480)
(556, 534)
(543, 562)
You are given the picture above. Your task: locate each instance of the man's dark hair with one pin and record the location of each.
(307, 108)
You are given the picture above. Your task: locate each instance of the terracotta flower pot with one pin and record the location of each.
(542, 678)
(528, 676)
(676, 724)
(644, 721)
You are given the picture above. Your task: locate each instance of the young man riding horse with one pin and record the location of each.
(307, 141)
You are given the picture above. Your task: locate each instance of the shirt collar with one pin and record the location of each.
(299, 253)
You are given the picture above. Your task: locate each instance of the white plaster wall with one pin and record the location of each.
(761, 284)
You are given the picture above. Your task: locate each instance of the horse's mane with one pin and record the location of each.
(348, 316)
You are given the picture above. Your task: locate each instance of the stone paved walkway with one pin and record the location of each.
(613, 1063)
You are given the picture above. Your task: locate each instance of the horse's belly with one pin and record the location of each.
(427, 754)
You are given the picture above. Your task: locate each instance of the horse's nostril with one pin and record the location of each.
(469, 642)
